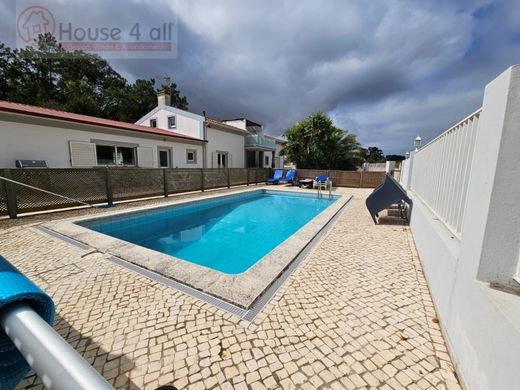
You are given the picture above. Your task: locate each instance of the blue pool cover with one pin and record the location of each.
(16, 287)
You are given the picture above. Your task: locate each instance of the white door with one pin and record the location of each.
(220, 160)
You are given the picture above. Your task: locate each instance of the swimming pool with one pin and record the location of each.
(228, 234)
(289, 211)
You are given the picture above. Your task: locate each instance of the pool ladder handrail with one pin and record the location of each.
(329, 185)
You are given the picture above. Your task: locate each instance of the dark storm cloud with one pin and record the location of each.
(384, 70)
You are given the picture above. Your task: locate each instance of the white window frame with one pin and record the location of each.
(174, 117)
(153, 120)
(194, 161)
(115, 145)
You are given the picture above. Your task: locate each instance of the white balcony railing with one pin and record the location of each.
(440, 171)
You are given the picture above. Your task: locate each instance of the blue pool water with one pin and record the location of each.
(228, 234)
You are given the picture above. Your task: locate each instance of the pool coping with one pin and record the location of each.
(242, 289)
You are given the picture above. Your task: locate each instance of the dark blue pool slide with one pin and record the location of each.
(389, 192)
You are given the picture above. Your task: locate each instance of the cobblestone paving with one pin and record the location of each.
(357, 313)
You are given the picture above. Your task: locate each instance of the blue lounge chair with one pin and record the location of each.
(278, 174)
(290, 177)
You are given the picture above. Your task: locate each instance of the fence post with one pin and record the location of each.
(165, 182)
(10, 194)
(361, 180)
(202, 179)
(110, 194)
(228, 179)
(410, 171)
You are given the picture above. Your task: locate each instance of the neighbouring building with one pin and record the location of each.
(225, 147)
(262, 150)
(234, 143)
(166, 137)
(64, 139)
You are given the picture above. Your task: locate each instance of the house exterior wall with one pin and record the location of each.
(31, 141)
(224, 141)
(187, 123)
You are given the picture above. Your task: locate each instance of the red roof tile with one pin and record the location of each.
(91, 120)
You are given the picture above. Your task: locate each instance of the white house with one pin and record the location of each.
(225, 144)
(63, 139)
(166, 137)
(235, 143)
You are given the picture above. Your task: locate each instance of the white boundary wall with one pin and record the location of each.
(447, 159)
(465, 185)
(374, 167)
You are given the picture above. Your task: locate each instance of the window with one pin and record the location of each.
(266, 161)
(153, 122)
(105, 155)
(191, 156)
(115, 155)
(172, 123)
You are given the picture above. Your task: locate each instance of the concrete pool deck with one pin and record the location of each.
(357, 313)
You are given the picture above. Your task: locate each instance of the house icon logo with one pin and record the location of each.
(33, 21)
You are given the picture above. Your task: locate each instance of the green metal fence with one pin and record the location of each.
(106, 185)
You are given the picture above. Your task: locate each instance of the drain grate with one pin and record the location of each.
(246, 314)
(214, 301)
(62, 237)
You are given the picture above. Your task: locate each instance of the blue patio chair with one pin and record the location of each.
(322, 182)
(290, 177)
(278, 174)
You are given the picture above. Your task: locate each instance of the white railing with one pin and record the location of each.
(440, 171)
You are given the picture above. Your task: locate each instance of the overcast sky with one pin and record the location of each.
(384, 70)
